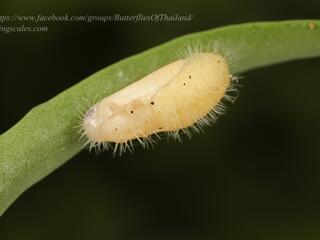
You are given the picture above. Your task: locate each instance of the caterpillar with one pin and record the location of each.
(181, 97)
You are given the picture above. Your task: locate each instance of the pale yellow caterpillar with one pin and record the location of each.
(181, 96)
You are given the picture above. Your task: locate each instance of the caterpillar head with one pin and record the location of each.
(109, 122)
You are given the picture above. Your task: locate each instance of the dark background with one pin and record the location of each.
(253, 175)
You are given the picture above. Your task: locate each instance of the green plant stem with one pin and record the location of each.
(46, 138)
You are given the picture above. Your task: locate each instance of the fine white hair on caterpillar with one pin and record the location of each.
(179, 98)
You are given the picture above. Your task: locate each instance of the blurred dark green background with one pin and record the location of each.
(253, 175)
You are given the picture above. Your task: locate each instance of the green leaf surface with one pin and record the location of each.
(46, 137)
